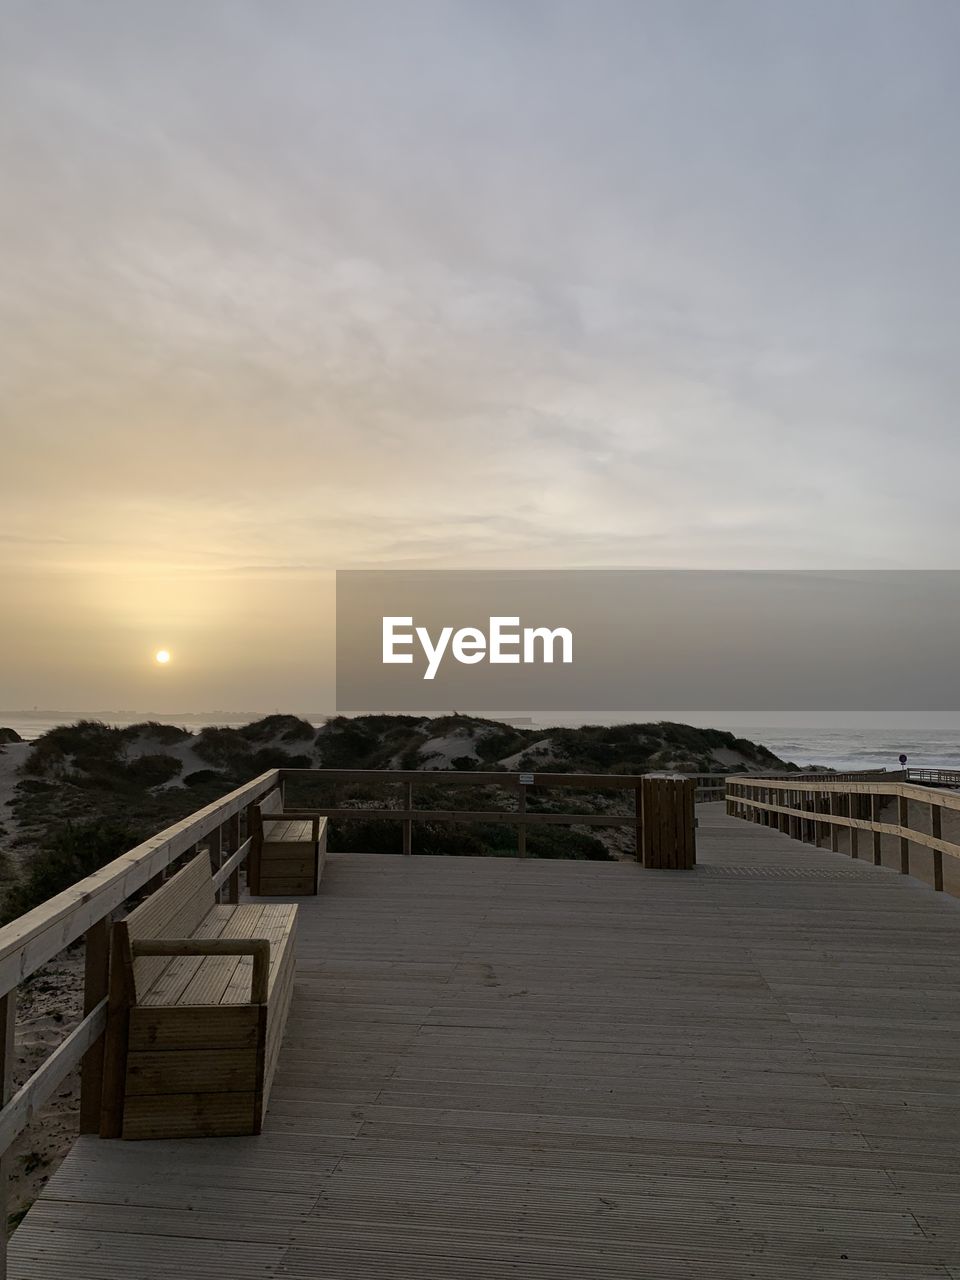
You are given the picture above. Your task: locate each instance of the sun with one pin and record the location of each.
(162, 656)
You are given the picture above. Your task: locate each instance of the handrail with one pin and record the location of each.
(807, 808)
(31, 940)
(86, 908)
(521, 782)
(84, 911)
(938, 777)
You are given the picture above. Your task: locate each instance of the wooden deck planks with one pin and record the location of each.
(564, 1069)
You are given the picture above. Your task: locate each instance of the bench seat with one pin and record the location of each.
(217, 980)
(193, 1039)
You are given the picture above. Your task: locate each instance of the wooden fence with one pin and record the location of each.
(86, 910)
(814, 810)
(400, 806)
(935, 777)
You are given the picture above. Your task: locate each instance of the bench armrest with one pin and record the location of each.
(259, 948)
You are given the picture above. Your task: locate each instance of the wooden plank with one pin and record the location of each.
(509, 817)
(408, 825)
(559, 1068)
(936, 830)
(96, 983)
(272, 802)
(281, 864)
(278, 886)
(220, 1028)
(34, 938)
(223, 954)
(8, 1023)
(174, 910)
(20, 1110)
(192, 1071)
(231, 864)
(172, 980)
(170, 1115)
(903, 818)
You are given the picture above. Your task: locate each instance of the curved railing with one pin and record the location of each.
(813, 808)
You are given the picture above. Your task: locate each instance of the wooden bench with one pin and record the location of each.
(289, 849)
(199, 994)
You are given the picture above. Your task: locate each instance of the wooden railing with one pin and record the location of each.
(935, 777)
(709, 786)
(814, 809)
(403, 810)
(85, 911)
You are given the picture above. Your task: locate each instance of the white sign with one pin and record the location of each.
(526, 779)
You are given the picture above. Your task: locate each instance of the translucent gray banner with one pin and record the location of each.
(488, 642)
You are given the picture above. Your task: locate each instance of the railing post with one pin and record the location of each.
(936, 815)
(903, 818)
(215, 849)
(233, 841)
(855, 810)
(522, 826)
(638, 820)
(408, 822)
(877, 835)
(8, 1026)
(817, 825)
(96, 983)
(669, 837)
(834, 801)
(253, 858)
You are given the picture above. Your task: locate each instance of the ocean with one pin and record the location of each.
(870, 746)
(848, 749)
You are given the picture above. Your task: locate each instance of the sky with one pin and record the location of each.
(290, 287)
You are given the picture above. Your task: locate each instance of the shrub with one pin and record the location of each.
(275, 758)
(286, 728)
(221, 746)
(65, 856)
(96, 743)
(201, 777)
(167, 734)
(346, 744)
(153, 770)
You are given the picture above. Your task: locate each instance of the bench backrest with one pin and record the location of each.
(173, 911)
(272, 803)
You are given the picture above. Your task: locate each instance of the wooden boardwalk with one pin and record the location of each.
(558, 1070)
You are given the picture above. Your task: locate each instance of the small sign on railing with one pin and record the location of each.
(526, 779)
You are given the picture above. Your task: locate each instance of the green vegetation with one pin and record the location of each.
(65, 856)
(88, 791)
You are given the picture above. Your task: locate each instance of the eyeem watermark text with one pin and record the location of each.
(504, 642)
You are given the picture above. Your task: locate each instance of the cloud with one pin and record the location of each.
(309, 286)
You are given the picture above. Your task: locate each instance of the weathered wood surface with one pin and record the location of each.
(560, 1070)
(177, 1066)
(290, 849)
